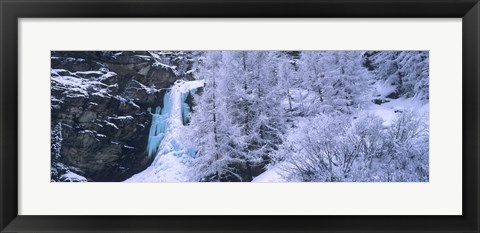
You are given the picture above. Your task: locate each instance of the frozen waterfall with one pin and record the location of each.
(164, 141)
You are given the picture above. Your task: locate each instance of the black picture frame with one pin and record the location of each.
(12, 10)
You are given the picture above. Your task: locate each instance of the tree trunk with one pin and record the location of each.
(214, 112)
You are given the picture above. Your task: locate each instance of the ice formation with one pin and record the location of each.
(164, 142)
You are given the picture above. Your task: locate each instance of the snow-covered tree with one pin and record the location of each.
(257, 104)
(216, 139)
(407, 71)
(287, 78)
(336, 81)
(55, 149)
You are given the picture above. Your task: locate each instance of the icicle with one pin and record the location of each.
(158, 110)
(185, 113)
(159, 125)
(175, 113)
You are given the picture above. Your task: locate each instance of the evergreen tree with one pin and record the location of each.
(336, 81)
(215, 137)
(407, 71)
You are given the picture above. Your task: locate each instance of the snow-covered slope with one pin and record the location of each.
(274, 174)
(388, 111)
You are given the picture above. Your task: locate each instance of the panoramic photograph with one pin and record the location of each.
(239, 116)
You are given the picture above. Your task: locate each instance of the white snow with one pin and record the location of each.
(107, 75)
(166, 168)
(111, 124)
(56, 71)
(89, 72)
(72, 177)
(149, 90)
(384, 88)
(133, 104)
(122, 118)
(73, 85)
(387, 114)
(117, 54)
(273, 174)
(158, 62)
(87, 131)
(388, 111)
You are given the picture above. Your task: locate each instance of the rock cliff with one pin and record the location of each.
(99, 118)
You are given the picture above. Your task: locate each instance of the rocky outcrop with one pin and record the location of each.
(100, 99)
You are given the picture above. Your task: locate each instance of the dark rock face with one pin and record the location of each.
(100, 99)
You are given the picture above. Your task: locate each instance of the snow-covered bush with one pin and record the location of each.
(312, 153)
(407, 146)
(339, 148)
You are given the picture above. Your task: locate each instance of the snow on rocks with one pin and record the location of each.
(76, 85)
(72, 177)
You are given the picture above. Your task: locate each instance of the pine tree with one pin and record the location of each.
(336, 81)
(408, 71)
(215, 137)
